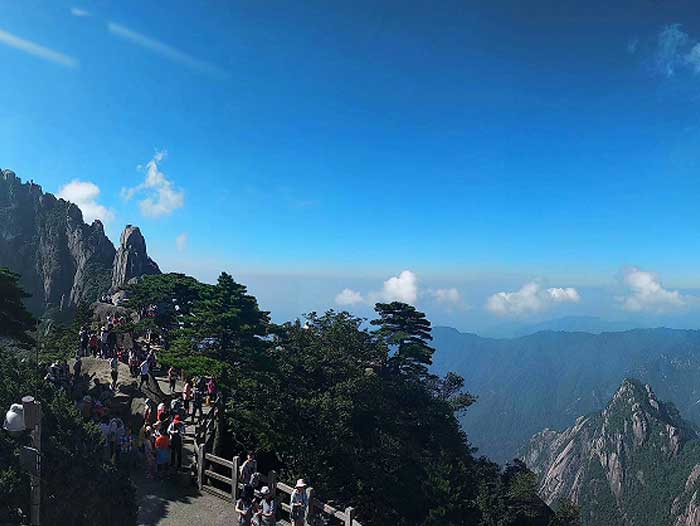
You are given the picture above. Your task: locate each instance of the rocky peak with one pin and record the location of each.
(132, 259)
(61, 260)
(604, 458)
(635, 408)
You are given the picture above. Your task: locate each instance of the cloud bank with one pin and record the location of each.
(84, 194)
(163, 198)
(403, 288)
(531, 298)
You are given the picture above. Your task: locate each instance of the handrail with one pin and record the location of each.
(204, 436)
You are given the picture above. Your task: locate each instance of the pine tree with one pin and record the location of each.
(407, 332)
(15, 319)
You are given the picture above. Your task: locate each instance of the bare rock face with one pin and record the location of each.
(61, 260)
(131, 260)
(612, 463)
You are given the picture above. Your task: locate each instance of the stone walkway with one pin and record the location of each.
(176, 501)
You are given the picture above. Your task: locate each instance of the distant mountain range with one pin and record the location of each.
(591, 324)
(548, 379)
(635, 463)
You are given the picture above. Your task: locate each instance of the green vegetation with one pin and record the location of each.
(351, 407)
(78, 488)
(355, 411)
(15, 319)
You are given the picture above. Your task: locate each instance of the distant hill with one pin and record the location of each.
(549, 378)
(592, 324)
(637, 462)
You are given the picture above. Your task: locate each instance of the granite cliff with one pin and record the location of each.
(637, 462)
(62, 261)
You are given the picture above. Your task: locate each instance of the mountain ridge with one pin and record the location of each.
(548, 379)
(61, 260)
(613, 462)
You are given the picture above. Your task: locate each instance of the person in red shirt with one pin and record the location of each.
(162, 452)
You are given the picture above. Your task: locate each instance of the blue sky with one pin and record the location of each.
(504, 155)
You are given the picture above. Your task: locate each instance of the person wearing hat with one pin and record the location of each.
(246, 507)
(298, 502)
(176, 430)
(267, 511)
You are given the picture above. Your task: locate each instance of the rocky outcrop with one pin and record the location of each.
(62, 261)
(132, 260)
(613, 463)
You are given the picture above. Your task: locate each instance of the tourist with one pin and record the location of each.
(152, 360)
(172, 378)
(149, 453)
(93, 344)
(84, 339)
(116, 433)
(161, 411)
(267, 510)
(114, 372)
(211, 391)
(111, 340)
(197, 401)
(145, 368)
(245, 507)
(104, 342)
(176, 430)
(162, 453)
(187, 395)
(298, 503)
(249, 467)
(133, 363)
(77, 368)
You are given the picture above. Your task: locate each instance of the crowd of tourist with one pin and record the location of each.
(155, 442)
(261, 509)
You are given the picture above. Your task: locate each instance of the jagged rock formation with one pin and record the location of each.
(61, 260)
(132, 260)
(637, 462)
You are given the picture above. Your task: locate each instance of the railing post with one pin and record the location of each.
(272, 482)
(349, 516)
(202, 460)
(234, 479)
(309, 508)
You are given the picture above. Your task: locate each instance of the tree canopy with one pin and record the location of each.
(15, 319)
(78, 487)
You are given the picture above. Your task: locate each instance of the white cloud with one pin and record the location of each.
(163, 198)
(165, 50)
(693, 58)
(349, 297)
(76, 11)
(32, 48)
(529, 299)
(670, 46)
(647, 294)
(84, 194)
(181, 242)
(403, 287)
(448, 296)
